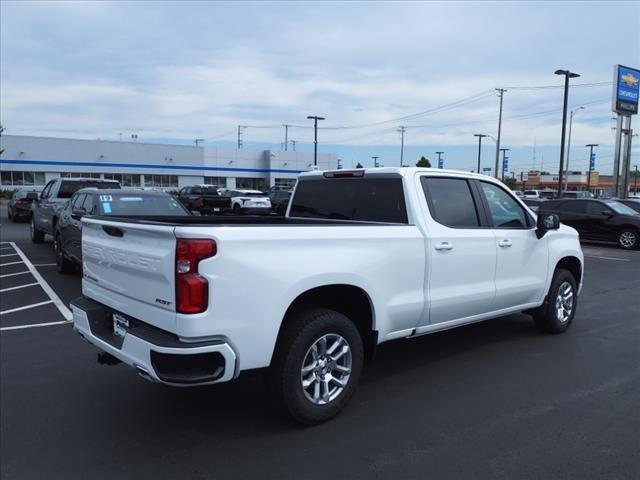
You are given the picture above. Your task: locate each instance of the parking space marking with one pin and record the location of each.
(10, 263)
(18, 287)
(44, 264)
(26, 307)
(12, 274)
(9, 255)
(66, 313)
(21, 327)
(608, 258)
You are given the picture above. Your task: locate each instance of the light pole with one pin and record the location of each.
(635, 180)
(480, 137)
(504, 157)
(401, 130)
(315, 119)
(293, 144)
(567, 75)
(590, 145)
(566, 180)
(440, 159)
(501, 93)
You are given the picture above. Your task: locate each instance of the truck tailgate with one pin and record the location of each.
(130, 268)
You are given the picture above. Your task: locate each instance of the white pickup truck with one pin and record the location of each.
(361, 257)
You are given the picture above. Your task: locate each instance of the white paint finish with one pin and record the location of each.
(12, 274)
(66, 313)
(26, 307)
(19, 287)
(10, 263)
(8, 255)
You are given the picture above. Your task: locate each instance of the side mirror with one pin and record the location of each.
(77, 214)
(32, 196)
(606, 213)
(546, 222)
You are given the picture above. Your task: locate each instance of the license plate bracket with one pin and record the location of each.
(120, 325)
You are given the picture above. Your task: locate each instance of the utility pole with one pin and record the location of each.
(626, 160)
(293, 144)
(635, 180)
(567, 75)
(286, 136)
(590, 145)
(480, 137)
(440, 159)
(240, 127)
(401, 130)
(198, 141)
(501, 94)
(315, 119)
(504, 158)
(566, 181)
(375, 162)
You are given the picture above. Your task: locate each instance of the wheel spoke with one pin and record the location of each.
(308, 368)
(335, 345)
(338, 355)
(316, 391)
(307, 382)
(323, 345)
(325, 394)
(341, 368)
(338, 381)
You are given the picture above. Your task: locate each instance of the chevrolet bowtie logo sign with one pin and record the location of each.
(630, 80)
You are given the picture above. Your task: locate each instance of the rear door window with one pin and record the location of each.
(573, 206)
(451, 202)
(371, 199)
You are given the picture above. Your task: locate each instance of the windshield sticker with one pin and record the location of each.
(106, 207)
(105, 198)
(131, 199)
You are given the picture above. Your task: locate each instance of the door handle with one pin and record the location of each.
(505, 243)
(444, 246)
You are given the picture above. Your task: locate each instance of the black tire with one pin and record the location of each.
(547, 317)
(237, 209)
(628, 238)
(37, 236)
(63, 264)
(294, 345)
(9, 213)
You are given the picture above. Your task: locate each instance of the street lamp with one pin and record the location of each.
(567, 75)
(590, 145)
(315, 119)
(572, 113)
(480, 137)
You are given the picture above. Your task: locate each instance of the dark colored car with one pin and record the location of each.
(19, 206)
(204, 199)
(280, 200)
(633, 203)
(600, 220)
(54, 196)
(91, 201)
(533, 203)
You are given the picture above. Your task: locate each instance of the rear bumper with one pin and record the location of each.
(257, 210)
(156, 354)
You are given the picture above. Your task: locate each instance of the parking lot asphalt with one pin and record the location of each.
(494, 400)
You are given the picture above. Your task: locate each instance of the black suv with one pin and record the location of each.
(54, 196)
(600, 220)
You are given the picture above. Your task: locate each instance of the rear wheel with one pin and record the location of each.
(628, 238)
(237, 209)
(37, 236)
(316, 366)
(63, 264)
(556, 314)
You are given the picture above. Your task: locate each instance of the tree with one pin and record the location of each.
(545, 173)
(423, 162)
(359, 165)
(510, 182)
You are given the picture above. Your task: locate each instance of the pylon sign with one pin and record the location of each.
(626, 89)
(592, 162)
(440, 163)
(505, 164)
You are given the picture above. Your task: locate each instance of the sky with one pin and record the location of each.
(176, 71)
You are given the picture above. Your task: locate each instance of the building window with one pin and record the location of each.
(220, 182)
(22, 178)
(286, 183)
(250, 183)
(161, 181)
(79, 175)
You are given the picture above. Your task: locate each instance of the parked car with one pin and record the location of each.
(19, 206)
(601, 220)
(113, 202)
(577, 194)
(533, 203)
(362, 257)
(280, 200)
(250, 202)
(547, 194)
(531, 194)
(633, 203)
(54, 196)
(204, 199)
(518, 193)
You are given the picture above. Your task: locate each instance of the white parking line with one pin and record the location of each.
(608, 258)
(44, 264)
(66, 313)
(21, 327)
(6, 248)
(18, 287)
(10, 263)
(9, 255)
(26, 307)
(12, 274)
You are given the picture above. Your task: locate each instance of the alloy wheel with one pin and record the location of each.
(326, 369)
(564, 302)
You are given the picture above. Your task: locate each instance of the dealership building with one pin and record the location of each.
(34, 161)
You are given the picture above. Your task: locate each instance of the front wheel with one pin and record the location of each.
(37, 236)
(237, 209)
(628, 238)
(556, 314)
(63, 264)
(316, 366)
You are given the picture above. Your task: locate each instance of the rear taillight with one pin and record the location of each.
(192, 289)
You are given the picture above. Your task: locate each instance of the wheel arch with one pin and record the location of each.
(573, 265)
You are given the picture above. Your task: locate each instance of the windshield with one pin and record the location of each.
(252, 194)
(68, 188)
(140, 205)
(620, 208)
